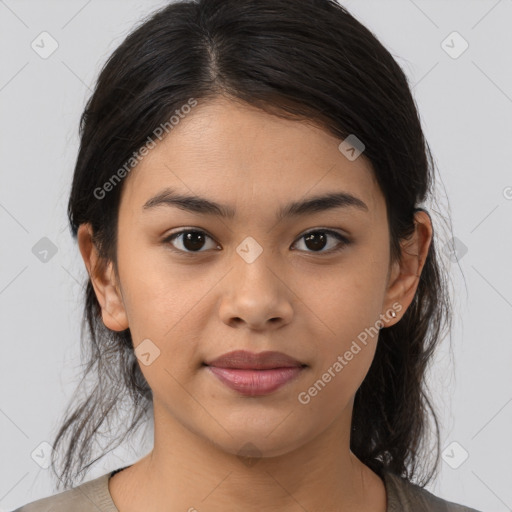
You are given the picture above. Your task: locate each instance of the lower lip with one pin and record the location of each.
(255, 382)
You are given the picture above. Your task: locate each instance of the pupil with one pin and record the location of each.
(193, 240)
(314, 237)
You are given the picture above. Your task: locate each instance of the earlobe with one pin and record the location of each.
(405, 276)
(103, 280)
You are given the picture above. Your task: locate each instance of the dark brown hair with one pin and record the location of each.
(303, 59)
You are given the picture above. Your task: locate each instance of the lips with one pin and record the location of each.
(244, 360)
(255, 374)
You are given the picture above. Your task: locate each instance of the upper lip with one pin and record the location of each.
(244, 360)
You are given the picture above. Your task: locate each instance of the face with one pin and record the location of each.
(315, 283)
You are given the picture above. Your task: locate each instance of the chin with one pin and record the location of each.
(262, 440)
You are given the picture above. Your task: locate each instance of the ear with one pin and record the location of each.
(405, 275)
(103, 281)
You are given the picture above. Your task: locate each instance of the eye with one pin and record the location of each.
(193, 240)
(190, 240)
(318, 240)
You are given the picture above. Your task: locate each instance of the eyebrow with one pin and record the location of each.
(201, 205)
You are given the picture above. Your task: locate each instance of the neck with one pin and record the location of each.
(192, 473)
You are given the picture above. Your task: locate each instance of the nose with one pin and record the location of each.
(256, 296)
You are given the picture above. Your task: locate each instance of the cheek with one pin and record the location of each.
(348, 305)
(349, 297)
(167, 307)
(333, 387)
(156, 297)
(340, 368)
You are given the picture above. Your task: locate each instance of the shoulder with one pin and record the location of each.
(405, 496)
(90, 496)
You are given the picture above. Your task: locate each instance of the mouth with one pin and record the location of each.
(255, 382)
(245, 360)
(254, 374)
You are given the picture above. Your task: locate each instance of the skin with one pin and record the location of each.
(295, 298)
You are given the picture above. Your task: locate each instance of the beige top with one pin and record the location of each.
(94, 496)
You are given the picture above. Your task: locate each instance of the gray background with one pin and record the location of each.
(465, 103)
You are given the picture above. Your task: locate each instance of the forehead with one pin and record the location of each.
(240, 155)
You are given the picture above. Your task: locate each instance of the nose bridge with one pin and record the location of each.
(253, 271)
(256, 292)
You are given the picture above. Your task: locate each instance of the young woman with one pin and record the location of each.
(264, 282)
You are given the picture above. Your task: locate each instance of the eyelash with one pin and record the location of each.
(344, 240)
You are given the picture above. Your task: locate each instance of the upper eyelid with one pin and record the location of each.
(202, 230)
